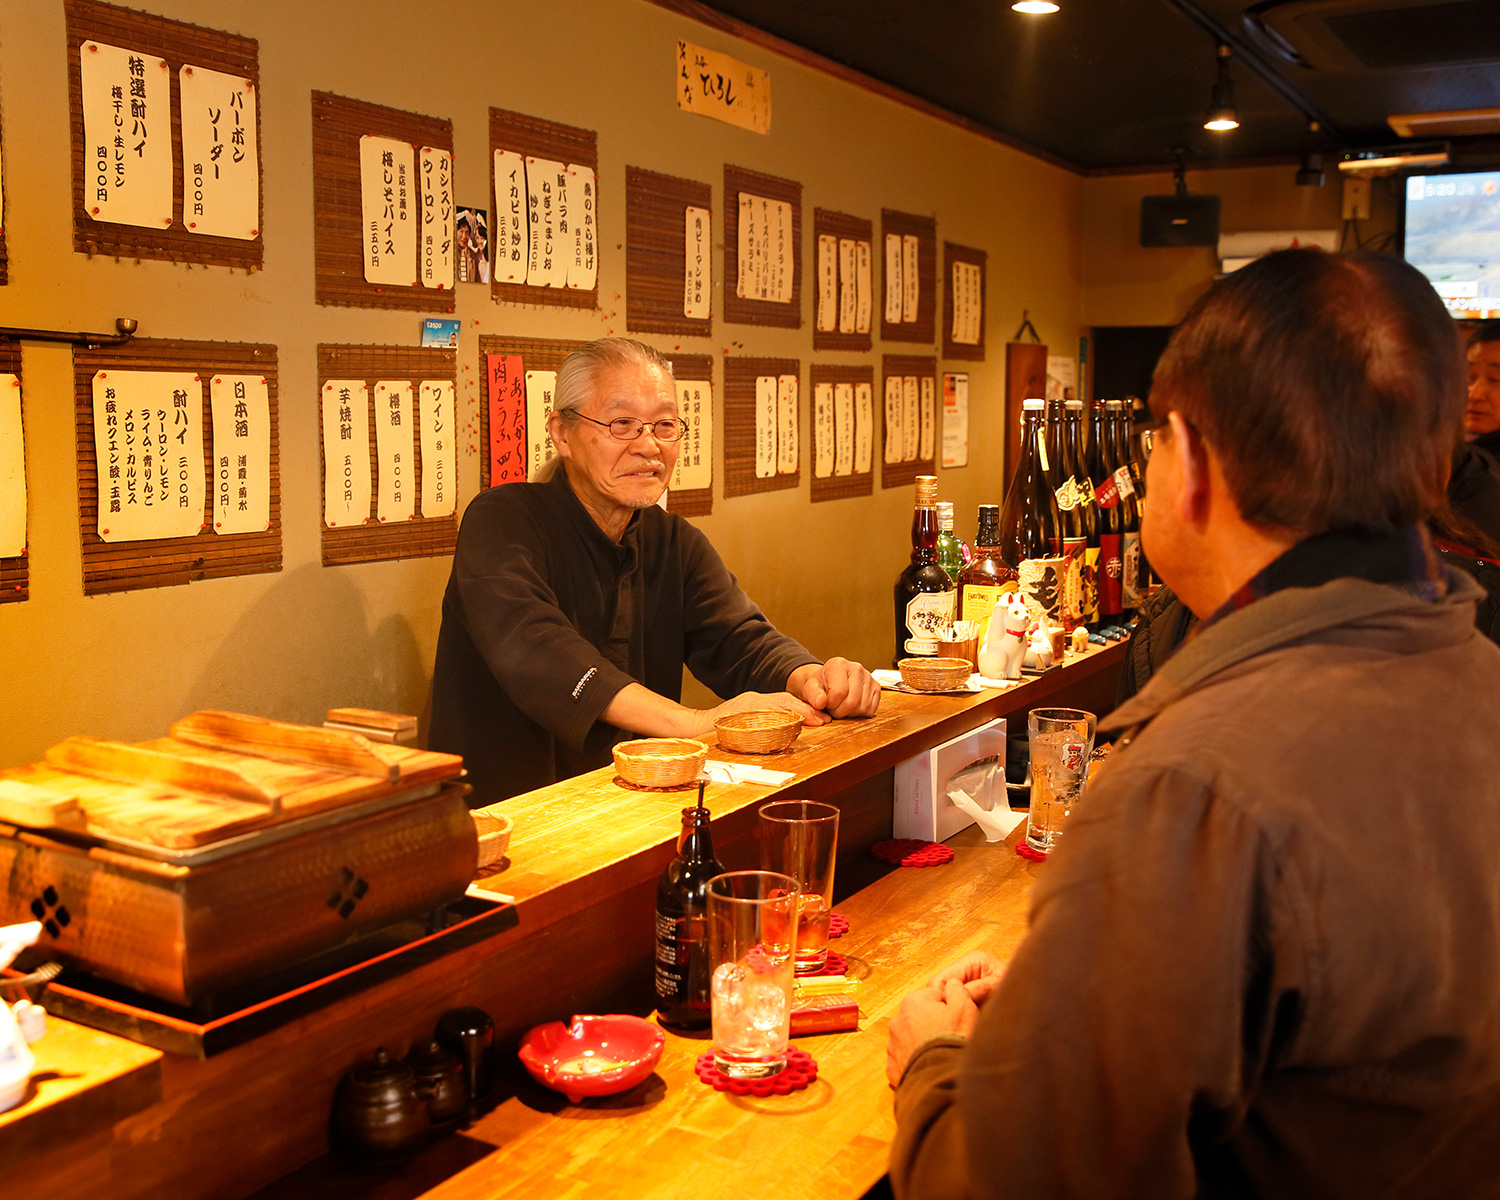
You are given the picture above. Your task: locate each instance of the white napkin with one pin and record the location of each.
(723, 772)
(997, 823)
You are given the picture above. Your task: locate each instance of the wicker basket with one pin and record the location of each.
(660, 762)
(493, 828)
(758, 730)
(935, 674)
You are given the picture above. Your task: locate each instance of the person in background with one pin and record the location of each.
(1264, 960)
(575, 600)
(1474, 487)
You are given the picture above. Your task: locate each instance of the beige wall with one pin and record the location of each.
(292, 644)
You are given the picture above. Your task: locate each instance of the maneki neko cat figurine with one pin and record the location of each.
(1005, 644)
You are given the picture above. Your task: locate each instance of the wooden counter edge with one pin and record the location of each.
(84, 1081)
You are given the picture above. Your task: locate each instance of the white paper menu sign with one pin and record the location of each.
(893, 289)
(346, 453)
(512, 229)
(862, 287)
(864, 427)
(956, 420)
(435, 412)
(848, 289)
(547, 265)
(12, 469)
(927, 440)
(787, 449)
(583, 187)
(127, 136)
(967, 313)
(843, 429)
(723, 88)
(148, 443)
(893, 418)
(695, 405)
(828, 271)
(241, 408)
(911, 283)
(540, 388)
(435, 265)
(388, 208)
(220, 172)
(823, 435)
(910, 418)
(765, 250)
(765, 426)
(696, 263)
(395, 468)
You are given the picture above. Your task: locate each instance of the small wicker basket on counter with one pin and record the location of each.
(758, 730)
(494, 829)
(935, 674)
(660, 762)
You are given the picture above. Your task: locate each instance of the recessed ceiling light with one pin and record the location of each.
(1034, 6)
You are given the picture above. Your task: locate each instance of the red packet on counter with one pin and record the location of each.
(828, 1013)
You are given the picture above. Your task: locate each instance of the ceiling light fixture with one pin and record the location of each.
(1037, 7)
(1221, 114)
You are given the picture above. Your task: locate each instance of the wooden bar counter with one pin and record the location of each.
(583, 864)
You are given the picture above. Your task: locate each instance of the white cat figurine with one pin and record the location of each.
(1005, 644)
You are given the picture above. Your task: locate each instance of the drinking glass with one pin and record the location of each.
(751, 915)
(799, 838)
(1062, 739)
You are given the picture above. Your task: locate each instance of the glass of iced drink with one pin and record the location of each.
(799, 838)
(751, 915)
(1062, 739)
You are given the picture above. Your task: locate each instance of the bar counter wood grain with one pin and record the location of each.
(583, 865)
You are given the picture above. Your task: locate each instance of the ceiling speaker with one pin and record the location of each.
(1179, 220)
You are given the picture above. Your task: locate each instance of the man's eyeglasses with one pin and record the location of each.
(627, 429)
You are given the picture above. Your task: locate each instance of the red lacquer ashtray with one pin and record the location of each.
(594, 1056)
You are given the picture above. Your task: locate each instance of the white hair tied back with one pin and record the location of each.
(575, 379)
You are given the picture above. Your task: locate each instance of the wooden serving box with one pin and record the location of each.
(227, 851)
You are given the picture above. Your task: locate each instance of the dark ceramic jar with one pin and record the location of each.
(377, 1112)
(440, 1080)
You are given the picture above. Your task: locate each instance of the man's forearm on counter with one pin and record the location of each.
(637, 709)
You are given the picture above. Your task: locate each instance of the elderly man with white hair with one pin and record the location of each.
(575, 600)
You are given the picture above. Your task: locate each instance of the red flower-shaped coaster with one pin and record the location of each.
(836, 964)
(1026, 850)
(912, 852)
(800, 1070)
(837, 925)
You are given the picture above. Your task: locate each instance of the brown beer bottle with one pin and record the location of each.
(682, 999)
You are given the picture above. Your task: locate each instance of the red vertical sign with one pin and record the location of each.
(507, 388)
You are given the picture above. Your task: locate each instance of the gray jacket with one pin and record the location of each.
(1266, 959)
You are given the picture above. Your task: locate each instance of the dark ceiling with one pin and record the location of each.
(1109, 84)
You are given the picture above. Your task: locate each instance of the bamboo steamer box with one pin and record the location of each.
(923, 809)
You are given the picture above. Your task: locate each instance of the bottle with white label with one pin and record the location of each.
(681, 974)
(924, 592)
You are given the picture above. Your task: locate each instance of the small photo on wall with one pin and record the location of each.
(472, 246)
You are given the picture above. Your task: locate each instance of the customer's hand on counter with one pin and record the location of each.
(757, 700)
(928, 1013)
(838, 687)
(979, 971)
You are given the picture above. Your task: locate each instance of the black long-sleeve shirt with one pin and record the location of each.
(545, 619)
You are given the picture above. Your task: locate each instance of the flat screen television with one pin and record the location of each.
(1451, 224)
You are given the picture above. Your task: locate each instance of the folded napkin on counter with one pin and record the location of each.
(891, 681)
(997, 823)
(723, 772)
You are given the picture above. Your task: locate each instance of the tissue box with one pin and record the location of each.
(922, 806)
